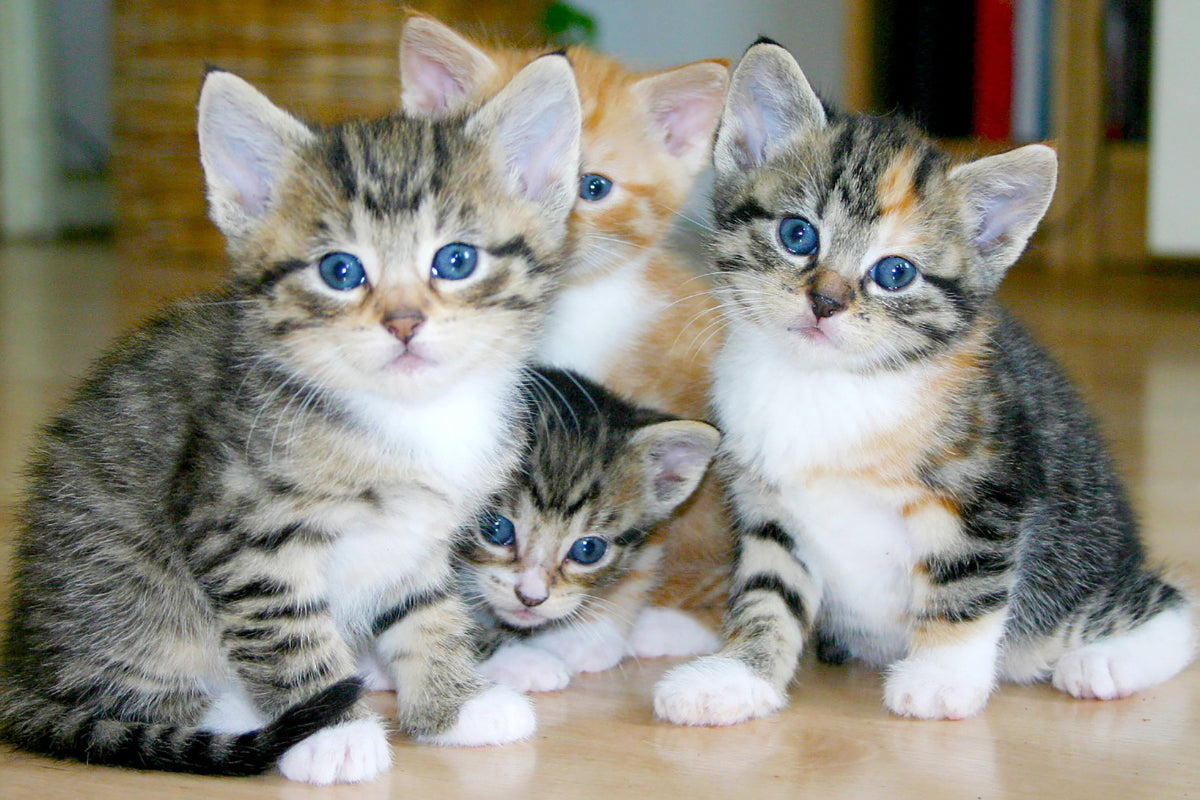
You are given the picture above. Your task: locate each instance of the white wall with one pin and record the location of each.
(28, 196)
(55, 119)
(660, 33)
(1173, 215)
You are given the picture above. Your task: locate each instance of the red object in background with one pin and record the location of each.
(993, 68)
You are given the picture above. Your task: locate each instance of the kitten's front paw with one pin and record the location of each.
(662, 632)
(495, 716)
(352, 752)
(585, 646)
(926, 689)
(526, 669)
(714, 690)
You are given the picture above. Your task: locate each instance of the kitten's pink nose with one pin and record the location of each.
(527, 601)
(404, 326)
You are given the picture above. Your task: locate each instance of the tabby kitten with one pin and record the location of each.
(262, 484)
(915, 482)
(560, 565)
(634, 315)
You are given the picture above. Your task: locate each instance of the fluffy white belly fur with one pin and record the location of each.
(798, 433)
(860, 549)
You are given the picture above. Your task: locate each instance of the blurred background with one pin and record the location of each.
(97, 96)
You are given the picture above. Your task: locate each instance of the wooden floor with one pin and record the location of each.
(1133, 343)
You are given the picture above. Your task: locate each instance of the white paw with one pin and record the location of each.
(496, 716)
(662, 632)
(375, 677)
(1129, 662)
(352, 752)
(927, 689)
(526, 669)
(585, 646)
(714, 690)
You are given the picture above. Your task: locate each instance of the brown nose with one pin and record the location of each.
(404, 326)
(527, 601)
(830, 293)
(824, 306)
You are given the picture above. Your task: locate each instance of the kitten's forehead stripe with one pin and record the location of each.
(516, 246)
(337, 156)
(276, 272)
(745, 213)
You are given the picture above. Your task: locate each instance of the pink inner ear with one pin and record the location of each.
(686, 122)
(429, 87)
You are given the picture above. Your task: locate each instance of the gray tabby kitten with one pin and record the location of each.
(260, 485)
(561, 564)
(916, 483)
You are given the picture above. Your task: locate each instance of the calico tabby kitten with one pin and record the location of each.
(915, 482)
(561, 564)
(261, 484)
(634, 315)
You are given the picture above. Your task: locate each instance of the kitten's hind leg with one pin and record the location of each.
(1125, 663)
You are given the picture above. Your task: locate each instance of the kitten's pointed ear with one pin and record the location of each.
(685, 104)
(1005, 197)
(769, 102)
(440, 71)
(533, 128)
(245, 143)
(674, 456)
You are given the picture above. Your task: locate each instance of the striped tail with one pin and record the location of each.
(55, 729)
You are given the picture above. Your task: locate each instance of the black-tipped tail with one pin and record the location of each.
(54, 729)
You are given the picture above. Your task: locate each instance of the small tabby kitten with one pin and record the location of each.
(634, 315)
(917, 485)
(560, 567)
(261, 484)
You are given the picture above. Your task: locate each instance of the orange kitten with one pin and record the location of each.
(633, 316)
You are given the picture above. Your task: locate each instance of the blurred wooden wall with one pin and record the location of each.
(322, 59)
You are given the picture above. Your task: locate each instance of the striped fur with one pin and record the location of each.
(635, 315)
(260, 484)
(918, 486)
(599, 468)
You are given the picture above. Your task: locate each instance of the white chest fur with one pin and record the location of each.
(454, 452)
(801, 436)
(593, 323)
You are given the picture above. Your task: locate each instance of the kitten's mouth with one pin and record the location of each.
(410, 361)
(811, 333)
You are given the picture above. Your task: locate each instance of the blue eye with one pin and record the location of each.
(342, 271)
(594, 187)
(798, 235)
(455, 261)
(893, 273)
(498, 530)
(588, 550)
